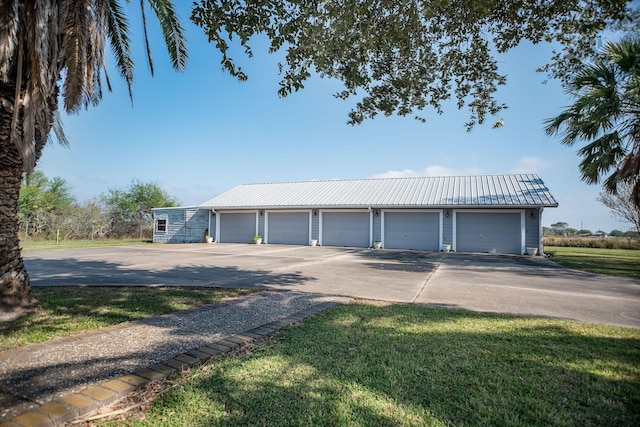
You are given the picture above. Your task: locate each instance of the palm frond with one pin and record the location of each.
(118, 35)
(58, 129)
(611, 183)
(625, 54)
(9, 24)
(600, 156)
(146, 38)
(45, 41)
(76, 18)
(27, 144)
(172, 31)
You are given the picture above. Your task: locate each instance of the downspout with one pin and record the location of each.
(370, 227)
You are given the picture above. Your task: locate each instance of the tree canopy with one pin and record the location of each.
(41, 194)
(401, 56)
(605, 116)
(132, 208)
(560, 228)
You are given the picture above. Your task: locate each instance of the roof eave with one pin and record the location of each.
(374, 206)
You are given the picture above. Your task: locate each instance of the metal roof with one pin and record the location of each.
(514, 190)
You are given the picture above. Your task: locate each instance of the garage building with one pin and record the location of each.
(485, 213)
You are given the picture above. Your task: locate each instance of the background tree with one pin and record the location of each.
(86, 221)
(403, 56)
(571, 231)
(52, 48)
(606, 116)
(621, 205)
(560, 228)
(130, 210)
(43, 198)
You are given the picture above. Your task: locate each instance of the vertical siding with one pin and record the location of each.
(196, 221)
(176, 226)
(377, 225)
(183, 225)
(532, 228)
(261, 228)
(315, 224)
(447, 227)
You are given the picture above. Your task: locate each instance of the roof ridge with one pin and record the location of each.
(383, 179)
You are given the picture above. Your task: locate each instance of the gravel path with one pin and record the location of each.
(33, 375)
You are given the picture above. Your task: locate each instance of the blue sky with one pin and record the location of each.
(200, 133)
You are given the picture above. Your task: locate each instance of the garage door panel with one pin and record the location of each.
(345, 229)
(288, 228)
(412, 230)
(237, 227)
(488, 232)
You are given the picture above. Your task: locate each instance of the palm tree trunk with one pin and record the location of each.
(14, 280)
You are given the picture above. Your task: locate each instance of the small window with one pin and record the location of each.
(161, 225)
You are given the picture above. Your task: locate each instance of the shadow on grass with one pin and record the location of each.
(80, 295)
(35, 373)
(61, 308)
(416, 365)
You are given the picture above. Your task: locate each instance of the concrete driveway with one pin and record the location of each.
(481, 282)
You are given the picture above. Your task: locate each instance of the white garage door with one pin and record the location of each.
(412, 230)
(488, 232)
(237, 227)
(288, 228)
(345, 229)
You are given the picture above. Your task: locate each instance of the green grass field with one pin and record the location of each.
(410, 365)
(50, 245)
(617, 262)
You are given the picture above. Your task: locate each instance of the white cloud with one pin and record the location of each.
(434, 170)
(529, 164)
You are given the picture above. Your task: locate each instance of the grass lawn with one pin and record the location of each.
(381, 364)
(617, 262)
(50, 245)
(63, 310)
(387, 365)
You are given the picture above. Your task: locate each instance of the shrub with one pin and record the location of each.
(593, 242)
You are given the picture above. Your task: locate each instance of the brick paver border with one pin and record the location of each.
(69, 407)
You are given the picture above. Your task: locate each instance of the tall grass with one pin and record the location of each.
(593, 242)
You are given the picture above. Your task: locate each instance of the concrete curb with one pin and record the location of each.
(71, 406)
